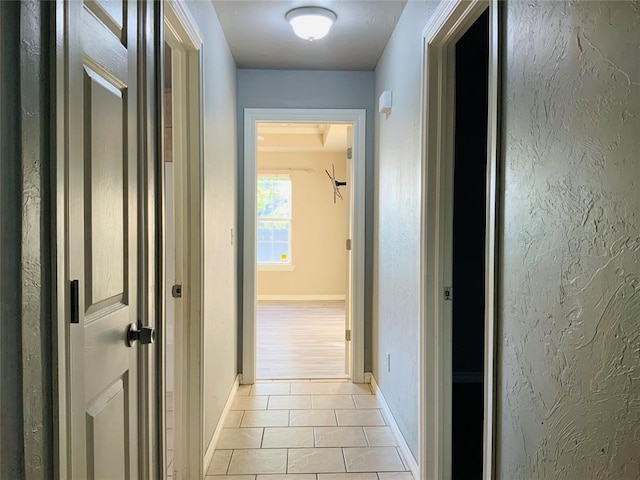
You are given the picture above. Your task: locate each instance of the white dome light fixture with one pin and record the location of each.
(311, 23)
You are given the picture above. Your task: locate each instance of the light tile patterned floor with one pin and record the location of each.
(169, 451)
(307, 430)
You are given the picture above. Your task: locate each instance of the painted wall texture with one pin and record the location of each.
(396, 298)
(11, 407)
(569, 385)
(318, 225)
(313, 89)
(26, 398)
(220, 195)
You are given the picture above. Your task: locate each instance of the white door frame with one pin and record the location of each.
(251, 117)
(182, 34)
(348, 260)
(450, 21)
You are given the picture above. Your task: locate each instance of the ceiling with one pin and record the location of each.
(260, 37)
(302, 137)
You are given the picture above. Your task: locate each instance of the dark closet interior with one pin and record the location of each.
(471, 110)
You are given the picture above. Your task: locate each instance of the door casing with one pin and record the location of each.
(185, 39)
(449, 22)
(348, 323)
(357, 118)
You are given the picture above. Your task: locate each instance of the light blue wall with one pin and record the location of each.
(219, 211)
(396, 308)
(312, 89)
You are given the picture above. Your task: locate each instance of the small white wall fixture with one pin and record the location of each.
(449, 22)
(252, 116)
(385, 102)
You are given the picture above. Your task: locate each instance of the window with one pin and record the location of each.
(274, 219)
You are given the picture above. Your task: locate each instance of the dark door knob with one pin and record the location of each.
(144, 335)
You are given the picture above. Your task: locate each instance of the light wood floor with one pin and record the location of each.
(300, 340)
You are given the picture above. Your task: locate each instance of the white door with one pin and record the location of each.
(102, 240)
(348, 230)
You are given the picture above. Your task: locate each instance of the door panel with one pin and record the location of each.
(105, 192)
(102, 242)
(111, 14)
(107, 428)
(104, 339)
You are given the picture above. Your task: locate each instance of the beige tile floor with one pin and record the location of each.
(306, 430)
(169, 419)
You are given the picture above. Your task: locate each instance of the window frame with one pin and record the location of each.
(275, 266)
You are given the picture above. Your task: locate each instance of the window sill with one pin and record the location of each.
(275, 268)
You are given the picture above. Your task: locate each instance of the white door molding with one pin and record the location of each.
(185, 40)
(251, 117)
(449, 22)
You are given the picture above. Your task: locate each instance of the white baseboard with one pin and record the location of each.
(405, 451)
(208, 456)
(300, 298)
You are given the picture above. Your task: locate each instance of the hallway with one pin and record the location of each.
(307, 430)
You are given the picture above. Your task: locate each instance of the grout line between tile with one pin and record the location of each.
(344, 460)
(286, 469)
(404, 465)
(366, 437)
(226, 472)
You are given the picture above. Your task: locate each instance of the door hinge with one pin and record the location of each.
(347, 335)
(349, 153)
(348, 244)
(448, 293)
(176, 291)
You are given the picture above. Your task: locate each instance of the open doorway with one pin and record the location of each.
(352, 334)
(460, 61)
(469, 248)
(302, 260)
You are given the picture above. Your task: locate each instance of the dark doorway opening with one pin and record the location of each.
(469, 230)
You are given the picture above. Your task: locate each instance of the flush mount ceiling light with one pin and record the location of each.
(311, 23)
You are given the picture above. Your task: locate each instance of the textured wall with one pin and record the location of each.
(396, 297)
(220, 169)
(313, 89)
(11, 427)
(27, 418)
(569, 388)
(36, 243)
